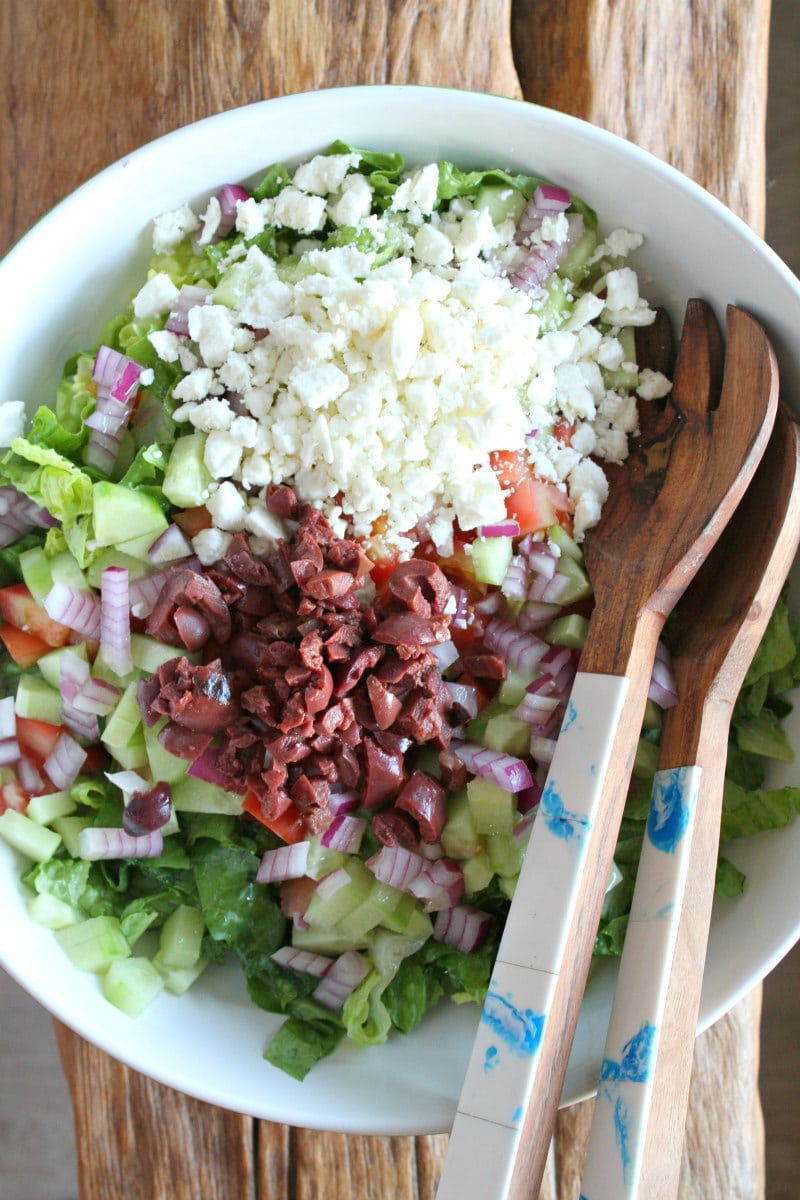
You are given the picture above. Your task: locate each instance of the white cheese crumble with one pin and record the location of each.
(376, 378)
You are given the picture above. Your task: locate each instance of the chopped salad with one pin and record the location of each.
(293, 593)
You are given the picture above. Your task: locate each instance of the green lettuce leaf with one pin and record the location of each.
(304, 1040)
(747, 812)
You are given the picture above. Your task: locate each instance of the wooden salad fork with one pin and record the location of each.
(666, 508)
(637, 1130)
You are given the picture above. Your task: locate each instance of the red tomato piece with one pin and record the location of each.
(13, 797)
(21, 610)
(24, 648)
(37, 738)
(289, 825)
(192, 520)
(536, 505)
(510, 467)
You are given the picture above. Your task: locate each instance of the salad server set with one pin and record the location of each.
(668, 507)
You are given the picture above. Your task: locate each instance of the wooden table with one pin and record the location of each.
(87, 81)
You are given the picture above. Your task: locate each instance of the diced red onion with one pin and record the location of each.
(332, 883)
(62, 766)
(96, 696)
(462, 926)
(344, 833)
(29, 778)
(169, 546)
(550, 591)
(73, 676)
(302, 960)
(19, 515)
(100, 843)
(522, 831)
(465, 697)
(287, 862)
(341, 979)
(535, 615)
(439, 885)
(107, 423)
(205, 767)
(127, 781)
(540, 558)
(228, 196)
(445, 653)
(663, 689)
(115, 619)
(549, 197)
(190, 296)
(396, 866)
(143, 593)
(508, 772)
(490, 604)
(9, 751)
(542, 260)
(543, 749)
(528, 799)
(502, 529)
(457, 607)
(535, 707)
(101, 451)
(521, 650)
(8, 718)
(342, 802)
(515, 580)
(78, 610)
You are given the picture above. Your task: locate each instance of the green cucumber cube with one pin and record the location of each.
(492, 809)
(459, 838)
(195, 795)
(478, 873)
(38, 701)
(165, 767)
(178, 980)
(131, 984)
(46, 809)
(187, 479)
(94, 944)
(50, 664)
(181, 941)
(491, 558)
(34, 841)
(504, 853)
(501, 201)
(507, 734)
(68, 829)
(118, 508)
(569, 630)
(48, 910)
(408, 919)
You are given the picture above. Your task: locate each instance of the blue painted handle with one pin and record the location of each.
(619, 1125)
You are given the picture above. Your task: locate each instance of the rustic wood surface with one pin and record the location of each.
(87, 82)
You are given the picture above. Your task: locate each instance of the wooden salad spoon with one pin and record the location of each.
(666, 507)
(637, 1130)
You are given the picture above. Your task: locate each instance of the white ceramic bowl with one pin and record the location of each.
(81, 263)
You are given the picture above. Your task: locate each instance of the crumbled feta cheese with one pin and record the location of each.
(250, 218)
(299, 211)
(166, 344)
(210, 545)
(227, 507)
(417, 194)
(155, 297)
(432, 246)
(194, 386)
(212, 414)
(354, 202)
(588, 491)
(624, 306)
(212, 327)
(211, 219)
(172, 227)
(653, 385)
(222, 455)
(324, 173)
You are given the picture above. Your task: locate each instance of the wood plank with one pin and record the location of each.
(660, 73)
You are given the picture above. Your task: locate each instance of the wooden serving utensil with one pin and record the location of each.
(666, 508)
(637, 1131)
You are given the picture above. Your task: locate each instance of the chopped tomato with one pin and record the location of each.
(21, 610)
(192, 520)
(563, 431)
(24, 648)
(289, 825)
(13, 797)
(510, 467)
(37, 738)
(536, 505)
(295, 895)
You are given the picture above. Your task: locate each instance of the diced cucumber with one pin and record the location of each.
(621, 380)
(653, 716)
(476, 729)
(148, 654)
(181, 942)
(50, 664)
(579, 587)
(139, 548)
(380, 903)
(507, 885)
(131, 984)
(165, 767)
(492, 810)
(459, 839)
(234, 285)
(491, 557)
(328, 911)
(122, 509)
(575, 266)
(514, 686)
(69, 828)
(408, 919)
(124, 722)
(48, 910)
(92, 945)
(133, 756)
(559, 537)
(321, 859)
(34, 841)
(187, 478)
(478, 872)
(325, 941)
(195, 795)
(178, 980)
(36, 575)
(38, 701)
(508, 734)
(501, 201)
(569, 630)
(46, 809)
(64, 569)
(113, 557)
(504, 853)
(556, 304)
(102, 670)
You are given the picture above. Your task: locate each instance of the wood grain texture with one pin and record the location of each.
(86, 82)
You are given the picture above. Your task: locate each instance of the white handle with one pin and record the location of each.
(619, 1125)
(502, 1070)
